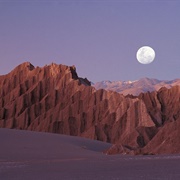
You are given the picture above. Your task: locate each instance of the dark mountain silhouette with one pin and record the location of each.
(54, 99)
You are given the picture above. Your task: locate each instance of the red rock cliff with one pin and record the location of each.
(54, 99)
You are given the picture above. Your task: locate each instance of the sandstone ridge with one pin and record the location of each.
(54, 99)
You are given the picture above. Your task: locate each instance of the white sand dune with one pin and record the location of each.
(44, 156)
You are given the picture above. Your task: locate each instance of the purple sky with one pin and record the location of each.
(99, 37)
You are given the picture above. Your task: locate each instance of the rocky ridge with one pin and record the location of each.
(54, 99)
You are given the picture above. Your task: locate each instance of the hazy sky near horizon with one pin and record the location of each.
(99, 37)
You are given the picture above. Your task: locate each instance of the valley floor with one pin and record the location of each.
(44, 156)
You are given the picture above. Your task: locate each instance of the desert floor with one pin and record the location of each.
(26, 155)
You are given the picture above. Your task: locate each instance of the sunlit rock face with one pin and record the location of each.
(54, 99)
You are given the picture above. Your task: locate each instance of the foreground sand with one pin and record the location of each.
(44, 156)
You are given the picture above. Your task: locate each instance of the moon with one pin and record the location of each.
(145, 55)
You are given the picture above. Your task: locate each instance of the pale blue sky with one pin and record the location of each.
(99, 37)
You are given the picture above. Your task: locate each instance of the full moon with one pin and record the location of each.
(145, 55)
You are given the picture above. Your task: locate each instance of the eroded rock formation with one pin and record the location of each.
(54, 99)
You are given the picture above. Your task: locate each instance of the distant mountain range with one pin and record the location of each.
(136, 87)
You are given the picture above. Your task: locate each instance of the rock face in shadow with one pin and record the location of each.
(54, 99)
(164, 109)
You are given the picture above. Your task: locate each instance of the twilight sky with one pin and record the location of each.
(99, 37)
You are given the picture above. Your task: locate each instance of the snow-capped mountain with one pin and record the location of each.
(136, 87)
